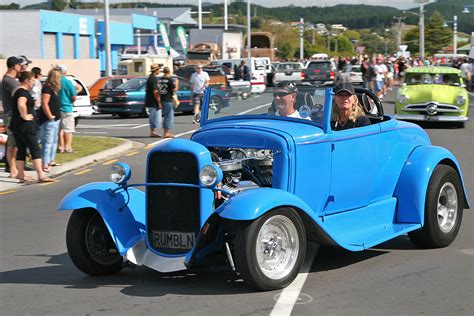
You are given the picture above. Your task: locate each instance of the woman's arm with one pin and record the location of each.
(23, 109)
(45, 98)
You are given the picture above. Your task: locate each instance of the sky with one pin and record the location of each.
(400, 4)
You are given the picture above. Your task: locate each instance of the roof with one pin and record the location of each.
(180, 15)
(433, 69)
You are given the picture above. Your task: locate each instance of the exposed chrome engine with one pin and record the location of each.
(244, 168)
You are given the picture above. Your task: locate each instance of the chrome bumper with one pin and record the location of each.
(431, 118)
(142, 256)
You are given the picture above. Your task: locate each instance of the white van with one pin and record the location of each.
(259, 68)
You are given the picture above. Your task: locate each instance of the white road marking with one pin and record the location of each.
(93, 133)
(140, 126)
(289, 296)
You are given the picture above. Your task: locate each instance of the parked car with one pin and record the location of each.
(433, 94)
(350, 73)
(288, 71)
(106, 83)
(321, 72)
(253, 189)
(129, 98)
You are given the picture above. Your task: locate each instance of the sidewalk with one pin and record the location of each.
(8, 184)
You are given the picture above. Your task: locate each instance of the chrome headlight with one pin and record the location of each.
(403, 99)
(210, 175)
(120, 172)
(460, 100)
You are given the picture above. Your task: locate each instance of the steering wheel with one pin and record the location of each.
(370, 103)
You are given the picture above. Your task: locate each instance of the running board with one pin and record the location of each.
(366, 227)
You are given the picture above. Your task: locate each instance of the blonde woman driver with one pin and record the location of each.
(346, 111)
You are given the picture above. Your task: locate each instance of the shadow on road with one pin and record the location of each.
(141, 281)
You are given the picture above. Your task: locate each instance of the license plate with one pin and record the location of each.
(431, 117)
(108, 99)
(173, 240)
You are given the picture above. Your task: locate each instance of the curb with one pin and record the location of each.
(9, 184)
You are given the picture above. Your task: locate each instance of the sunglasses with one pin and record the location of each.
(281, 94)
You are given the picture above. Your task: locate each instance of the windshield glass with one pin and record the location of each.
(432, 78)
(133, 84)
(306, 104)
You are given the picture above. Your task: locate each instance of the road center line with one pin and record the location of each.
(289, 296)
(83, 172)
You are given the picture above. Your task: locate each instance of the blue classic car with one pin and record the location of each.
(252, 187)
(129, 98)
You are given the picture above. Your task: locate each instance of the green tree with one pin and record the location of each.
(436, 35)
(11, 6)
(58, 5)
(412, 39)
(352, 35)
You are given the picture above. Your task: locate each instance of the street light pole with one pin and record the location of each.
(301, 39)
(422, 29)
(225, 15)
(455, 46)
(108, 61)
(200, 14)
(248, 29)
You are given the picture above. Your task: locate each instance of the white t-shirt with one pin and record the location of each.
(199, 81)
(3, 138)
(380, 72)
(465, 68)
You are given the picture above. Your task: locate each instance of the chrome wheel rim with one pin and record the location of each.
(447, 207)
(213, 104)
(277, 247)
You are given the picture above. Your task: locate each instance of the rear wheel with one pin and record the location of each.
(145, 112)
(443, 210)
(90, 245)
(215, 104)
(269, 252)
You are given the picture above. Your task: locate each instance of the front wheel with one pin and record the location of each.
(269, 252)
(89, 244)
(215, 104)
(443, 210)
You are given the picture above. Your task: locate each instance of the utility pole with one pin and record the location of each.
(301, 39)
(455, 46)
(422, 28)
(108, 61)
(398, 41)
(225, 16)
(248, 29)
(200, 14)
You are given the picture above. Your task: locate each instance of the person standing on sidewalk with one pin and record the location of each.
(67, 95)
(153, 100)
(24, 128)
(48, 118)
(9, 84)
(199, 83)
(166, 87)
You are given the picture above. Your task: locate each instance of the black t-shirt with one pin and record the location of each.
(53, 105)
(17, 124)
(361, 121)
(151, 84)
(165, 88)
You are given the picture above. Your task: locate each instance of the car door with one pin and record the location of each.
(355, 161)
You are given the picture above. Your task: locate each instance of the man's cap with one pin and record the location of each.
(288, 86)
(61, 68)
(345, 86)
(26, 61)
(154, 67)
(13, 60)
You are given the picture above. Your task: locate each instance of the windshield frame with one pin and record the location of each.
(324, 123)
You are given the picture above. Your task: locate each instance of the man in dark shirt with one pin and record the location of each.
(9, 84)
(166, 87)
(153, 100)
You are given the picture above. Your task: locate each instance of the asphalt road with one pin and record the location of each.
(37, 276)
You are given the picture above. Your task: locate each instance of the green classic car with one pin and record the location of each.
(433, 94)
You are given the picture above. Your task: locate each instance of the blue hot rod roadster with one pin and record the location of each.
(253, 187)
